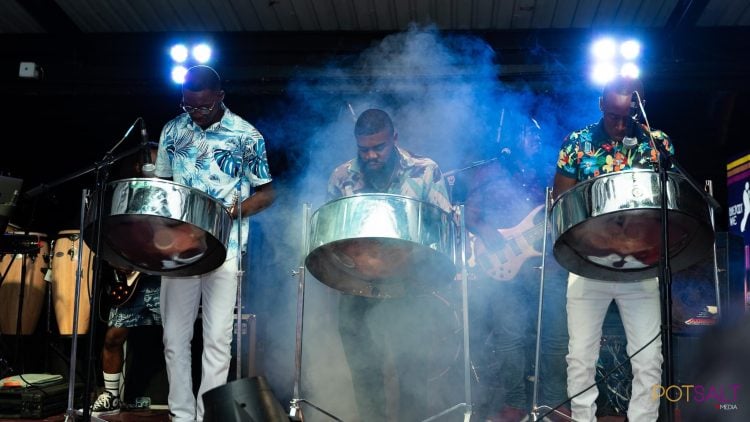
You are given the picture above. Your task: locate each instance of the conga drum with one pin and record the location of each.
(64, 265)
(34, 287)
(382, 245)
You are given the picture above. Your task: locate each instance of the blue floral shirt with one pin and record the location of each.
(229, 153)
(590, 152)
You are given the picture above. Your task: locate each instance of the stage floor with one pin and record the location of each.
(129, 416)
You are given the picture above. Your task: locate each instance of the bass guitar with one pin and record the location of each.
(123, 286)
(505, 262)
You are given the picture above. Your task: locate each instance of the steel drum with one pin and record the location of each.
(609, 227)
(160, 227)
(381, 245)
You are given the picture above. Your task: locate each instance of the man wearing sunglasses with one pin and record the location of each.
(213, 150)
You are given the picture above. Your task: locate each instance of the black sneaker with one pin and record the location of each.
(106, 404)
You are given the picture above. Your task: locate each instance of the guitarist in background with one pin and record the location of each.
(505, 215)
(135, 302)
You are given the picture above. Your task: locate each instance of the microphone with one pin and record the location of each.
(148, 168)
(630, 140)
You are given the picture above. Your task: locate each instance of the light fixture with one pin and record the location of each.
(611, 57)
(179, 53)
(630, 70)
(202, 53)
(178, 74)
(186, 55)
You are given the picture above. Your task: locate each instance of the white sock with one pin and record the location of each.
(112, 383)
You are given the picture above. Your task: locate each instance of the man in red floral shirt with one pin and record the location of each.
(596, 150)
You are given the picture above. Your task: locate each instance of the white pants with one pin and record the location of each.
(639, 306)
(180, 297)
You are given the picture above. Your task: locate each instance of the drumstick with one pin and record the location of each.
(232, 208)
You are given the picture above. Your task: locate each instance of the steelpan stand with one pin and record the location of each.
(538, 412)
(295, 408)
(240, 273)
(466, 405)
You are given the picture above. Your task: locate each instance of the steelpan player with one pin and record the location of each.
(595, 150)
(371, 328)
(211, 149)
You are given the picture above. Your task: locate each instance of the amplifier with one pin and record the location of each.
(37, 402)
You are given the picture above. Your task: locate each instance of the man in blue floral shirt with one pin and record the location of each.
(596, 150)
(213, 150)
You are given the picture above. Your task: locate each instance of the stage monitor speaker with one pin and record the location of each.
(243, 400)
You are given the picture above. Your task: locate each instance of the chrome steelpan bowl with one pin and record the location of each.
(609, 227)
(381, 245)
(161, 227)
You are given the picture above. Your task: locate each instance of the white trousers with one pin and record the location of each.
(639, 306)
(180, 297)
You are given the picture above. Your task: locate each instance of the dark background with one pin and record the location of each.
(97, 80)
(95, 85)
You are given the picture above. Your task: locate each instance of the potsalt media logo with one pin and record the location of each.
(722, 397)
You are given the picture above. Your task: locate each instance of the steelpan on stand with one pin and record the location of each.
(609, 227)
(161, 227)
(381, 245)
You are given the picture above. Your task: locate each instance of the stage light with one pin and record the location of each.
(178, 74)
(603, 72)
(202, 53)
(185, 55)
(630, 70)
(630, 49)
(604, 49)
(179, 53)
(611, 56)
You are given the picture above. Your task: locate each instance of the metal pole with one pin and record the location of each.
(295, 412)
(240, 278)
(535, 407)
(710, 190)
(466, 405)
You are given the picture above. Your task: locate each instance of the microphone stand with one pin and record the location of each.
(102, 173)
(663, 163)
(108, 160)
